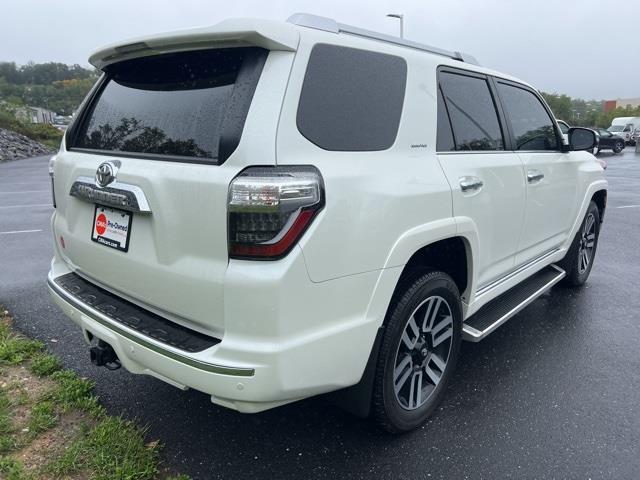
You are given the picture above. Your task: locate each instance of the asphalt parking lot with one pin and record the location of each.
(555, 393)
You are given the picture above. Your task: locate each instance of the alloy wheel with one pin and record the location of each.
(423, 352)
(587, 243)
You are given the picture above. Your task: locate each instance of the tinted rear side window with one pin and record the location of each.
(187, 104)
(445, 140)
(472, 112)
(532, 126)
(351, 99)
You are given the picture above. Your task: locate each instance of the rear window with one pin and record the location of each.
(444, 139)
(351, 99)
(472, 112)
(188, 105)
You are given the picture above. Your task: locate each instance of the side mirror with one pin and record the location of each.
(582, 139)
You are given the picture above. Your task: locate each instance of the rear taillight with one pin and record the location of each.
(52, 162)
(269, 208)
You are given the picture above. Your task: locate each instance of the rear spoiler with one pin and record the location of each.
(244, 32)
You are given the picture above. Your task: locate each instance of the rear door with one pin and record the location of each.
(487, 180)
(170, 126)
(551, 175)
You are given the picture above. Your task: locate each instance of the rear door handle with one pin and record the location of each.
(534, 176)
(470, 184)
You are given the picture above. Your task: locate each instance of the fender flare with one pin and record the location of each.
(357, 398)
(592, 189)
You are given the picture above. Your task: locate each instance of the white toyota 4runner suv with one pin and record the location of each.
(266, 211)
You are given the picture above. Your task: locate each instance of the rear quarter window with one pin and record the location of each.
(351, 99)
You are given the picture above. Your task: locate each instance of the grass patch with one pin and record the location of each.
(52, 425)
(15, 348)
(7, 443)
(6, 440)
(113, 449)
(43, 417)
(12, 469)
(5, 418)
(44, 365)
(71, 391)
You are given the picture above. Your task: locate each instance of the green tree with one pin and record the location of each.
(55, 86)
(560, 105)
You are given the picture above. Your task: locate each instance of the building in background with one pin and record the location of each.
(621, 102)
(35, 115)
(41, 115)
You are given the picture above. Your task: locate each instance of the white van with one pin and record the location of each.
(626, 127)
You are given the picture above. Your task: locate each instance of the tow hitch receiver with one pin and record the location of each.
(102, 355)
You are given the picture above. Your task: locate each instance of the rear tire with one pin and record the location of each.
(418, 353)
(579, 259)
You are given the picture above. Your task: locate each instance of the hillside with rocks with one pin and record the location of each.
(14, 146)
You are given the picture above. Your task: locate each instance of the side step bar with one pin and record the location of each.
(501, 309)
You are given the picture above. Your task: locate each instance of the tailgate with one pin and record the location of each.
(176, 128)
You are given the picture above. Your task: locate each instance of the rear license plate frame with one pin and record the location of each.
(114, 230)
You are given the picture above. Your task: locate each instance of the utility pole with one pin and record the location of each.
(400, 17)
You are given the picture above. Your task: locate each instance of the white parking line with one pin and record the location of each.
(25, 191)
(19, 231)
(31, 205)
(35, 182)
(629, 206)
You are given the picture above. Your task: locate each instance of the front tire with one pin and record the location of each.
(618, 147)
(418, 353)
(579, 259)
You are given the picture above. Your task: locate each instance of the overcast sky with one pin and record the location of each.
(575, 47)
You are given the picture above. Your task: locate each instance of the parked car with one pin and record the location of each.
(267, 211)
(625, 127)
(609, 141)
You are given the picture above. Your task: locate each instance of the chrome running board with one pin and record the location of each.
(502, 308)
(510, 275)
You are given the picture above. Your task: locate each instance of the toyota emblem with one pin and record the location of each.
(106, 174)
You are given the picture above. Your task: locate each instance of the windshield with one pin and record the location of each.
(616, 128)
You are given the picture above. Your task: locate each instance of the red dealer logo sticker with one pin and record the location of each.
(101, 224)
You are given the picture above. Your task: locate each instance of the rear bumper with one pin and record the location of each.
(309, 339)
(141, 356)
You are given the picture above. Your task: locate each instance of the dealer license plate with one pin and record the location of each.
(112, 227)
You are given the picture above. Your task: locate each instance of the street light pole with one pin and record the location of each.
(400, 17)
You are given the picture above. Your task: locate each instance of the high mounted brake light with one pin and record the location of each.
(269, 208)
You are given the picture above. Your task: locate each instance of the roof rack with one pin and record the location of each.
(330, 25)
